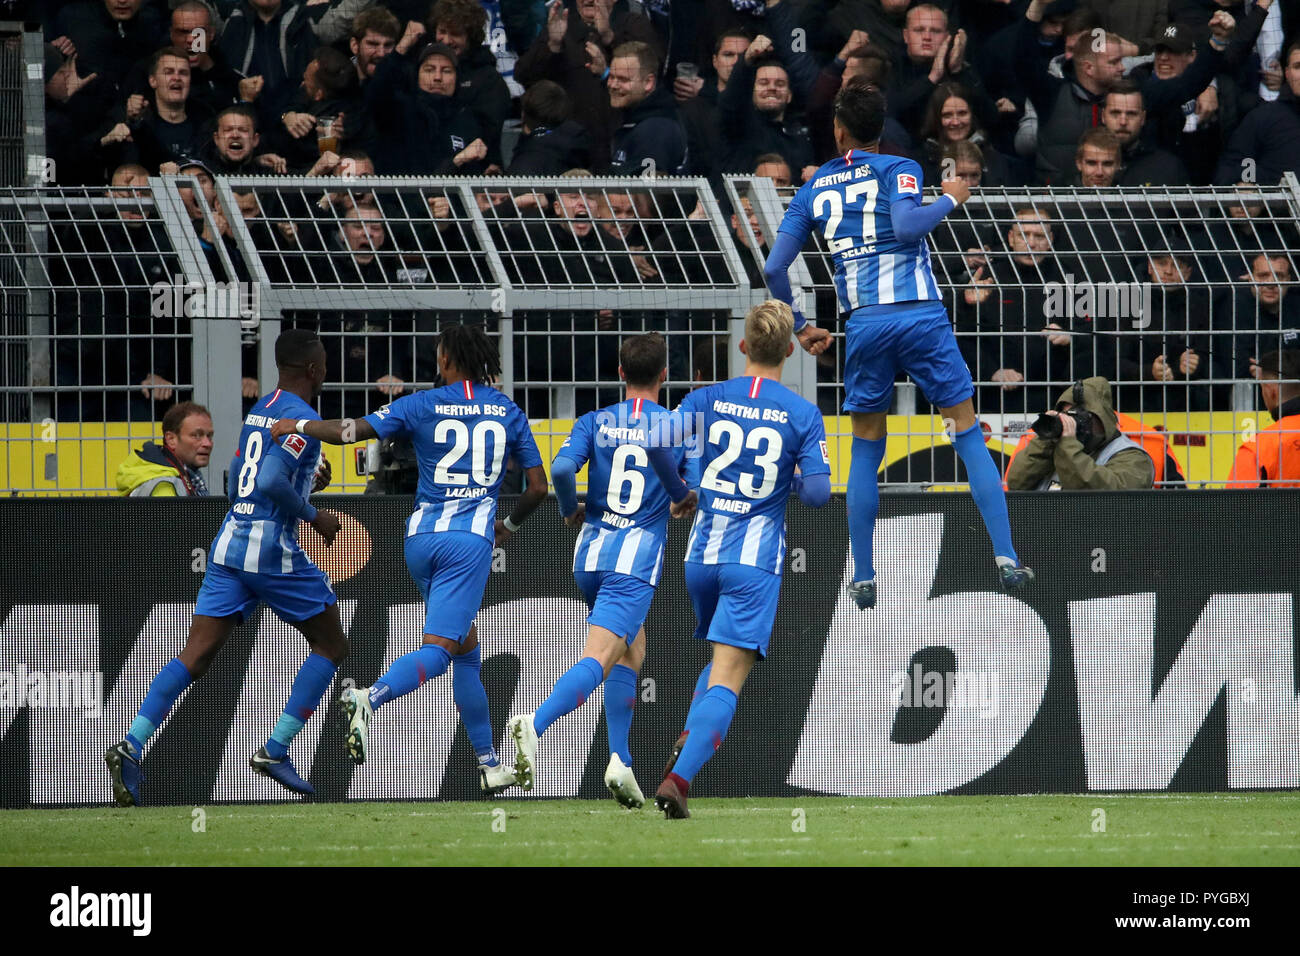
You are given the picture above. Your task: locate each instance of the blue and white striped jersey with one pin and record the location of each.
(752, 432)
(462, 434)
(627, 507)
(851, 198)
(256, 534)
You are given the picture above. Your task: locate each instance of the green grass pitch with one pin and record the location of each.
(1239, 829)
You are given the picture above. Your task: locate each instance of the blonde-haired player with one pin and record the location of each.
(749, 435)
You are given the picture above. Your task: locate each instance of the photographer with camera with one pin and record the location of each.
(1079, 445)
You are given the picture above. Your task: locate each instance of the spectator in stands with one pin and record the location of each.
(375, 33)
(75, 105)
(569, 50)
(421, 127)
(119, 356)
(950, 119)
(754, 115)
(1267, 143)
(461, 26)
(270, 40)
(774, 167)
(934, 56)
(1143, 163)
(650, 139)
(1165, 347)
(1040, 68)
(233, 151)
(752, 254)
(171, 470)
(966, 161)
(213, 84)
(830, 24)
(165, 127)
(1091, 453)
(1194, 128)
(110, 36)
(1228, 248)
(1272, 458)
(329, 91)
(1096, 161)
(1093, 70)
(206, 186)
(551, 141)
(858, 58)
(1028, 46)
(698, 102)
(1253, 315)
(1023, 347)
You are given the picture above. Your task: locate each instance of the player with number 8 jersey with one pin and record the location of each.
(255, 557)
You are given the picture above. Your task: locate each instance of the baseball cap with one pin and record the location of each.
(1177, 38)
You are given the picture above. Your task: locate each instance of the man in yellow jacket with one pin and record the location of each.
(172, 468)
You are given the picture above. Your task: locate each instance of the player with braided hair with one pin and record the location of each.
(462, 432)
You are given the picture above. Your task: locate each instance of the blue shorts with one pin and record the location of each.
(734, 604)
(618, 602)
(294, 597)
(451, 569)
(915, 337)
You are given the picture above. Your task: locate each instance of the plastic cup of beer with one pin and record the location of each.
(326, 139)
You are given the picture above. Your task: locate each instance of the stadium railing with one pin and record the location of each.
(101, 283)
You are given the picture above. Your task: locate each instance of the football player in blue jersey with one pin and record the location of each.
(868, 207)
(256, 557)
(753, 433)
(633, 472)
(463, 432)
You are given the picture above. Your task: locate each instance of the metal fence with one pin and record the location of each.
(119, 301)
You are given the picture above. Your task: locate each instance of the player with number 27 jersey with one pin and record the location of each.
(852, 198)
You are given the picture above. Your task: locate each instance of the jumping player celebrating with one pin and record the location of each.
(463, 434)
(618, 557)
(869, 209)
(256, 557)
(754, 433)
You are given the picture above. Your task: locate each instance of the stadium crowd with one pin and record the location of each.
(1082, 93)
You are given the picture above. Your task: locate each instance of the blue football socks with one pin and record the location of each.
(309, 686)
(472, 702)
(569, 693)
(986, 489)
(706, 729)
(166, 687)
(863, 502)
(408, 672)
(620, 698)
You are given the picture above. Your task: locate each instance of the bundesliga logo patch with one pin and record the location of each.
(295, 445)
(826, 455)
(907, 184)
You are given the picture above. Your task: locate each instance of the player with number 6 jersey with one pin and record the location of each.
(256, 557)
(464, 433)
(632, 474)
(757, 440)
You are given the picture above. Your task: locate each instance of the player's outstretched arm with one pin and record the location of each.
(335, 431)
(776, 270)
(913, 222)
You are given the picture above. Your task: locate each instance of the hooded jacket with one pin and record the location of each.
(650, 130)
(1111, 462)
(1270, 135)
(419, 133)
(548, 151)
(152, 472)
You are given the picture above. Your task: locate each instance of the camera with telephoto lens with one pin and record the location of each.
(1048, 427)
